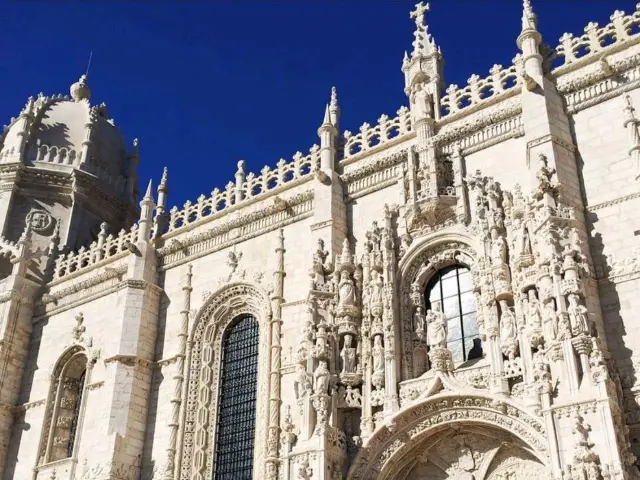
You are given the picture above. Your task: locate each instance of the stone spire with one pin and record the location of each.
(146, 214)
(327, 133)
(80, 90)
(529, 41)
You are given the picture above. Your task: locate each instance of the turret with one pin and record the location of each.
(146, 215)
(328, 134)
(529, 42)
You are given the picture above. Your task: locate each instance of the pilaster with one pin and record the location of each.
(129, 360)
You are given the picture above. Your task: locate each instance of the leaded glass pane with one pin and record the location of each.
(235, 428)
(76, 416)
(455, 287)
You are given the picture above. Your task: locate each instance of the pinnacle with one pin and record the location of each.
(327, 116)
(334, 97)
(529, 19)
(164, 179)
(148, 195)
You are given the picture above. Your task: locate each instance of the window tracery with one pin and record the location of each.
(451, 290)
(235, 425)
(63, 420)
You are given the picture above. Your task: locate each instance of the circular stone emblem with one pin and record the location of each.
(40, 220)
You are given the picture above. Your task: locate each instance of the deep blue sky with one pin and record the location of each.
(203, 84)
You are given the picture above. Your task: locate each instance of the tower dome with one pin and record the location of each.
(67, 133)
(68, 162)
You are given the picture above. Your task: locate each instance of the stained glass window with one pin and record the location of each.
(235, 427)
(453, 290)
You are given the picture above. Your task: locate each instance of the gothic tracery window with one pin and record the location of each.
(65, 409)
(235, 426)
(452, 288)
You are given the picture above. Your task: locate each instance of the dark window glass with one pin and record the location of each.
(235, 429)
(452, 288)
(76, 416)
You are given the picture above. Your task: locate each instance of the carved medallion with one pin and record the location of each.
(39, 220)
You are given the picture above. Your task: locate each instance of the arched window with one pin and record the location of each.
(65, 409)
(235, 426)
(452, 288)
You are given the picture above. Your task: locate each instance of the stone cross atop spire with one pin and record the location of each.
(423, 43)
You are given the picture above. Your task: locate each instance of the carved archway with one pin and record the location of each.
(203, 360)
(391, 449)
(423, 260)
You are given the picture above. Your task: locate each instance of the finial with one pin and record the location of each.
(241, 167)
(529, 19)
(334, 97)
(423, 43)
(80, 90)
(163, 180)
(136, 148)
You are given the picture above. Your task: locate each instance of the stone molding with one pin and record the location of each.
(406, 429)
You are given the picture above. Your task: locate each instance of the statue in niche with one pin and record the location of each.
(508, 330)
(578, 315)
(302, 382)
(544, 176)
(376, 288)
(436, 327)
(348, 355)
(347, 296)
(498, 250)
(418, 321)
(550, 325)
(534, 317)
(421, 101)
(378, 355)
(321, 379)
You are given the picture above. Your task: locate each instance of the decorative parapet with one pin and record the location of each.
(106, 247)
(596, 40)
(247, 188)
(386, 130)
(480, 90)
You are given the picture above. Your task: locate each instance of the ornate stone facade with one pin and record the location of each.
(449, 293)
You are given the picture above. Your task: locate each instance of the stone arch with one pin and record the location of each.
(62, 409)
(388, 450)
(423, 260)
(202, 380)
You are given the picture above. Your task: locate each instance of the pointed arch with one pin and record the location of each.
(204, 361)
(423, 260)
(384, 450)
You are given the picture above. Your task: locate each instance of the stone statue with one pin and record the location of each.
(347, 296)
(508, 330)
(534, 318)
(498, 251)
(550, 326)
(378, 355)
(321, 379)
(348, 355)
(436, 327)
(578, 315)
(421, 100)
(418, 321)
(376, 289)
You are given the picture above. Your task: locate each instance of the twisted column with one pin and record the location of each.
(176, 399)
(275, 375)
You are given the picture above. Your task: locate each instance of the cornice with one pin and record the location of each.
(180, 249)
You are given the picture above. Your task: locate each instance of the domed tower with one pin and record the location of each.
(65, 169)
